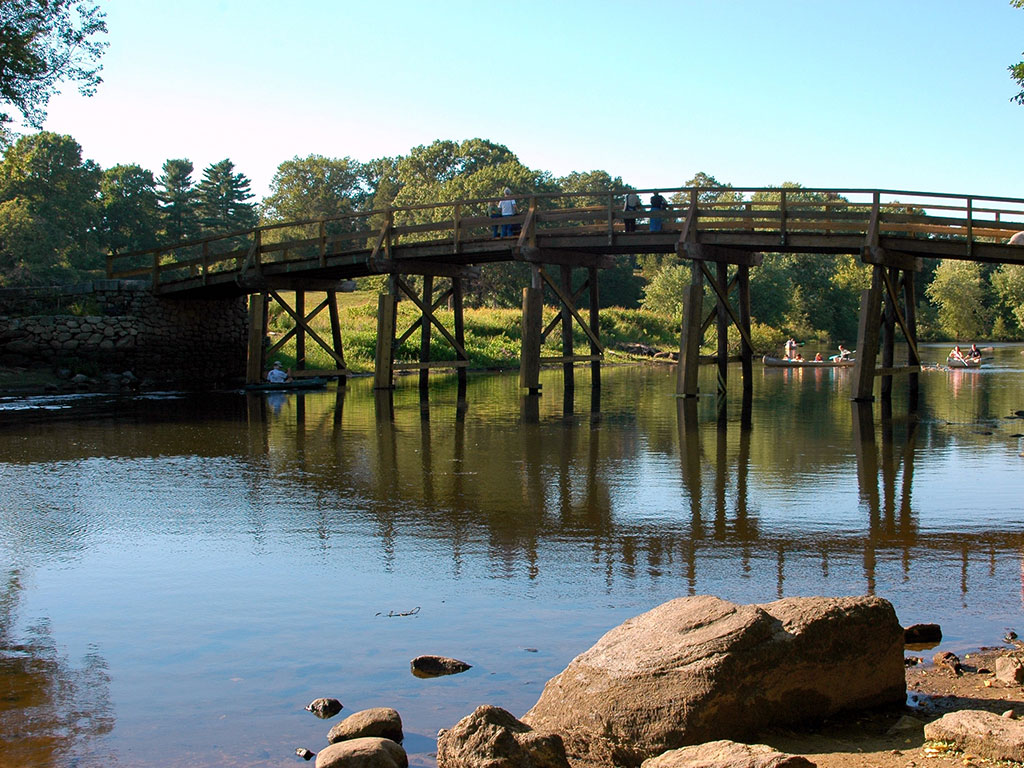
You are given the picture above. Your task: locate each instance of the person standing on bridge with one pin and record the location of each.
(507, 206)
(632, 204)
(658, 203)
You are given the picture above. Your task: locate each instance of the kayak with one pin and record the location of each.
(778, 362)
(286, 386)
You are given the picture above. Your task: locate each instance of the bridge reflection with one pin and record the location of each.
(556, 476)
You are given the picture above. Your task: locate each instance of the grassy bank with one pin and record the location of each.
(492, 335)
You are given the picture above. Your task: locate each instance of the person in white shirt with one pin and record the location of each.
(277, 374)
(507, 206)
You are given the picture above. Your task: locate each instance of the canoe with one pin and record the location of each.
(778, 362)
(970, 362)
(286, 386)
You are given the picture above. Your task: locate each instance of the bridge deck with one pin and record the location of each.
(585, 229)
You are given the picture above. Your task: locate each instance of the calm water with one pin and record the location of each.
(180, 575)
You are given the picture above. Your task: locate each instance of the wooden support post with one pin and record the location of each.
(722, 326)
(888, 337)
(529, 359)
(595, 325)
(300, 331)
(867, 338)
(533, 309)
(568, 379)
(257, 332)
(913, 355)
(459, 323)
(425, 327)
(746, 352)
(383, 376)
(332, 308)
(690, 335)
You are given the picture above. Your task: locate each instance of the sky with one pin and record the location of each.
(892, 94)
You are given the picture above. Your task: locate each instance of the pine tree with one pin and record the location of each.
(222, 199)
(179, 201)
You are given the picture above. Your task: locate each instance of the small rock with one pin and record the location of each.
(491, 737)
(905, 723)
(727, 754)
(382, 722)
(948, 660)
(1009, 669)
(912, 661)
(922, 634)
(1010, 636)
(984, 734)
(367, 752)
(437, 666)
(1009, 714)
(324, 708)
(305, 754)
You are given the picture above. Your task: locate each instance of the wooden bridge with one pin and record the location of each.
(721, 232)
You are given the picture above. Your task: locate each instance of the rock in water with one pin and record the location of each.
(324, 708)
(922, 634)
(436, 666)
(727, 754)
(363, 753)
(699, 669)
(985, 734)
(493, 738)
(379, 721)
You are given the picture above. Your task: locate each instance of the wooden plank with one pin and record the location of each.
(569, 359)
(722, 255)
(428, 365)
(568, 377)
(723, 299)
(434, 268)
(690, 336)
(889, 258)
(595, 325)
(568, 257)
(332, 308)
(428, 318)
(321, 373)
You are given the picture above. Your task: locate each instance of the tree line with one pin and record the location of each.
(61, 214)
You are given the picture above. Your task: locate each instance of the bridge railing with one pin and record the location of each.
(370, 237)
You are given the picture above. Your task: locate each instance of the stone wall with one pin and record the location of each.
(120, 326)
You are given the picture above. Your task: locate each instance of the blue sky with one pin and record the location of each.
(898, 94)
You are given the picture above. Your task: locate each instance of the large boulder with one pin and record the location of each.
(727, 754)
(368, 752)
(700, 669)
(492, 738)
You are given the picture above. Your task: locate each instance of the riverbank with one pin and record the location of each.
(896, 740)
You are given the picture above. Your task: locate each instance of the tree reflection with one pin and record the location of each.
(50, 711)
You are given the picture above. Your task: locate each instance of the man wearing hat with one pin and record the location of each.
(277, 374)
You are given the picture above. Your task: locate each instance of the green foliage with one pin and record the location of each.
(223, 200)
(314, 187)
(1008, 285)
(48, 212)
(958, 292)
(664, 291)
(179, 201)
(44, 43)
(128, 208)
(1017, 70)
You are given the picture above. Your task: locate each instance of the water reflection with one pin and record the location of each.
(50, 711)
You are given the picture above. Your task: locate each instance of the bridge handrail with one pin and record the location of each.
(785, 207)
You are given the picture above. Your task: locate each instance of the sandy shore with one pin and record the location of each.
(896, 739)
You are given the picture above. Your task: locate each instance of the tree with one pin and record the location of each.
(314, 187)
(222, 200)
(44, 43)
(179, 201)
(958, 292)
(128, 207)
(48, 211)
(1008, 284)
(1017, 70)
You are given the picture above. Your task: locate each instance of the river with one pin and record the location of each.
(181, 574)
